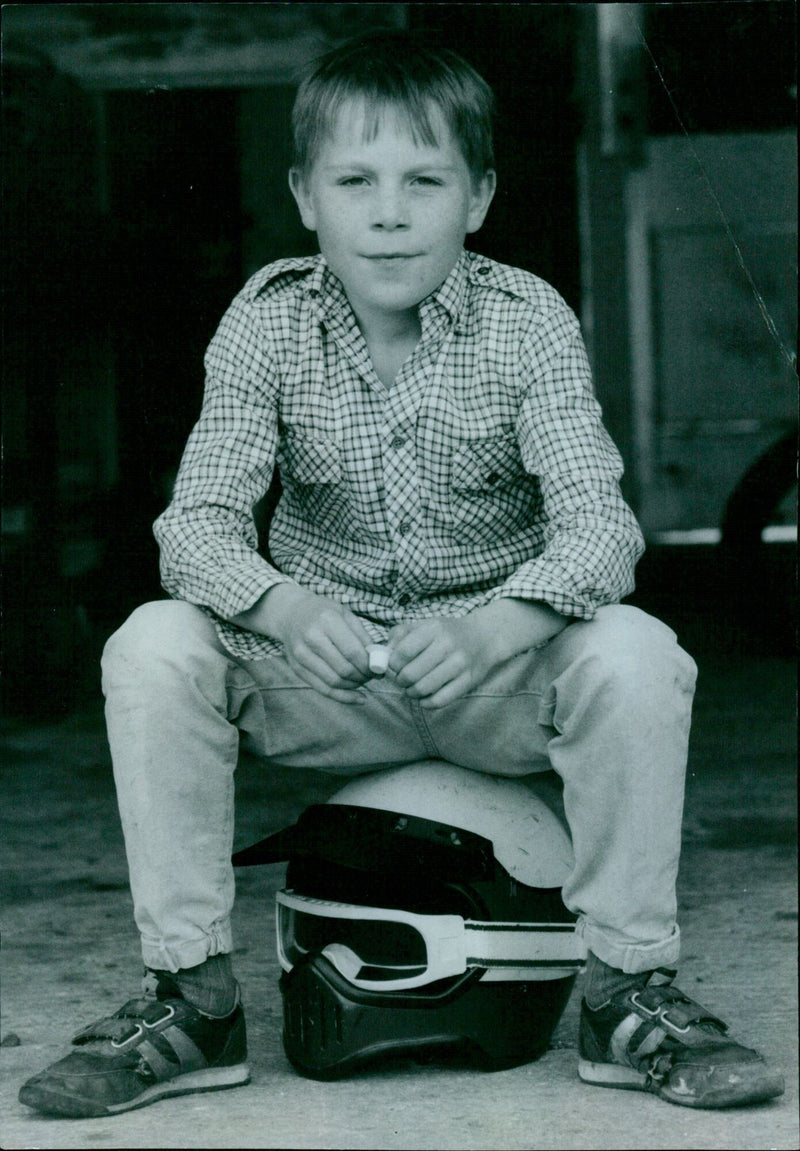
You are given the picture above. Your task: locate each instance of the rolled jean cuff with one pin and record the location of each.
(173, 956)
(631, 958)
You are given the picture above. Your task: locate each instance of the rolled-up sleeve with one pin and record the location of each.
(207, 536)
(592, 539)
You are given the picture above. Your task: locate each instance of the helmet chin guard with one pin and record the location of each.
(422, 912)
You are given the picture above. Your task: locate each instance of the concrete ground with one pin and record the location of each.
(71, 954)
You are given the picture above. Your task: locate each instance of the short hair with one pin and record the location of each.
(395, 70)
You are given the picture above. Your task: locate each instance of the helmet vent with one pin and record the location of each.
(313, 1023)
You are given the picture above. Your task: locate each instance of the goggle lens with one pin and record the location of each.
(376, 943)
(374, 949)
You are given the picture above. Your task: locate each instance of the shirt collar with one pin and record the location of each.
(447, 302)
(450, 296)
(323, 287)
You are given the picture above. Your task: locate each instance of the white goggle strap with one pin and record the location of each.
(524, 950)
(507, 950)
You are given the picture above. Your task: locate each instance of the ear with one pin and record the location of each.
(482, 196)
(301, 193)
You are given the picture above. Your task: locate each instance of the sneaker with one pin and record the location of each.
(153, 1047)
(654, 1038)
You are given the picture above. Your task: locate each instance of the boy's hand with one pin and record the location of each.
(324, 643)
(327, 646)
(439, 660)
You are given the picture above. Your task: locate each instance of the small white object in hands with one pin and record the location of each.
(378, 658)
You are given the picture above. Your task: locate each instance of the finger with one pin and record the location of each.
(344, 668)
(399, 632)
(351, 640)
(454, 690)
(338, 644)
(412, 673)
(340, 694)
(414, 645)
(357, 628)
(328, 666)
(434, 679)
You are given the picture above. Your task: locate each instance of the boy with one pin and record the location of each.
(449, 490)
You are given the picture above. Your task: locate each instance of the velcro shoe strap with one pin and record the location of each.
(125, 1029)
(101, 1029)
(117, 1028)
(188, 1056)
(123, 1023)
(678, 1018)
(159, 1066)
(632, 1040)
(155, 1012)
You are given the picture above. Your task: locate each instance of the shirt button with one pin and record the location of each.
(404, 527)
(404, 599)
(398, 442)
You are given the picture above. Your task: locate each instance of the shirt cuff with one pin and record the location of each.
(244, 584)
(565, 586)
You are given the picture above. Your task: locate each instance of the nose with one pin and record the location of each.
(390, 211)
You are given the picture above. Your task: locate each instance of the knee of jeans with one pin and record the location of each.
(153, 634)
(632, 647)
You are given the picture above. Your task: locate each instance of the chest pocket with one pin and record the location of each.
(487, 466)
(310, 459)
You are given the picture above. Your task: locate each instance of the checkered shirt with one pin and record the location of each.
(483, 472)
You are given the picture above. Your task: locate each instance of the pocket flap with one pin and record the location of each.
(487, 464)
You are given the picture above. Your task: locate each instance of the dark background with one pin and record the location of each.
(138, 276)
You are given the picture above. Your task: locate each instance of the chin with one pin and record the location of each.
(396, 302)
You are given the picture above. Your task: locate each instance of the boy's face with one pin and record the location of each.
(390, 213)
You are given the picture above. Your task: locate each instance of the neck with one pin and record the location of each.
(390, 345)
(390, 329)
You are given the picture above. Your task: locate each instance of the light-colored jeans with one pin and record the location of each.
(607, 704)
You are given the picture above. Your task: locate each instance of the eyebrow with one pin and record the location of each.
(362, 167)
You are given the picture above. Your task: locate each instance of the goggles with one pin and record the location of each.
(387, 949)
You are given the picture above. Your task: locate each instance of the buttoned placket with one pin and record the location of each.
(401, 478)
(401, 404)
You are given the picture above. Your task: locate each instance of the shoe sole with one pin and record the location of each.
(745, 1085)
(50, 1101)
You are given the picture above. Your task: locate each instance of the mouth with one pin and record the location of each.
(386, 256)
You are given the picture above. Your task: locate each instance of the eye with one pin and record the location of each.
(352, 181)
(428, 181)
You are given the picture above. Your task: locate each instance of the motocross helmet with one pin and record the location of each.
(422, 913)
